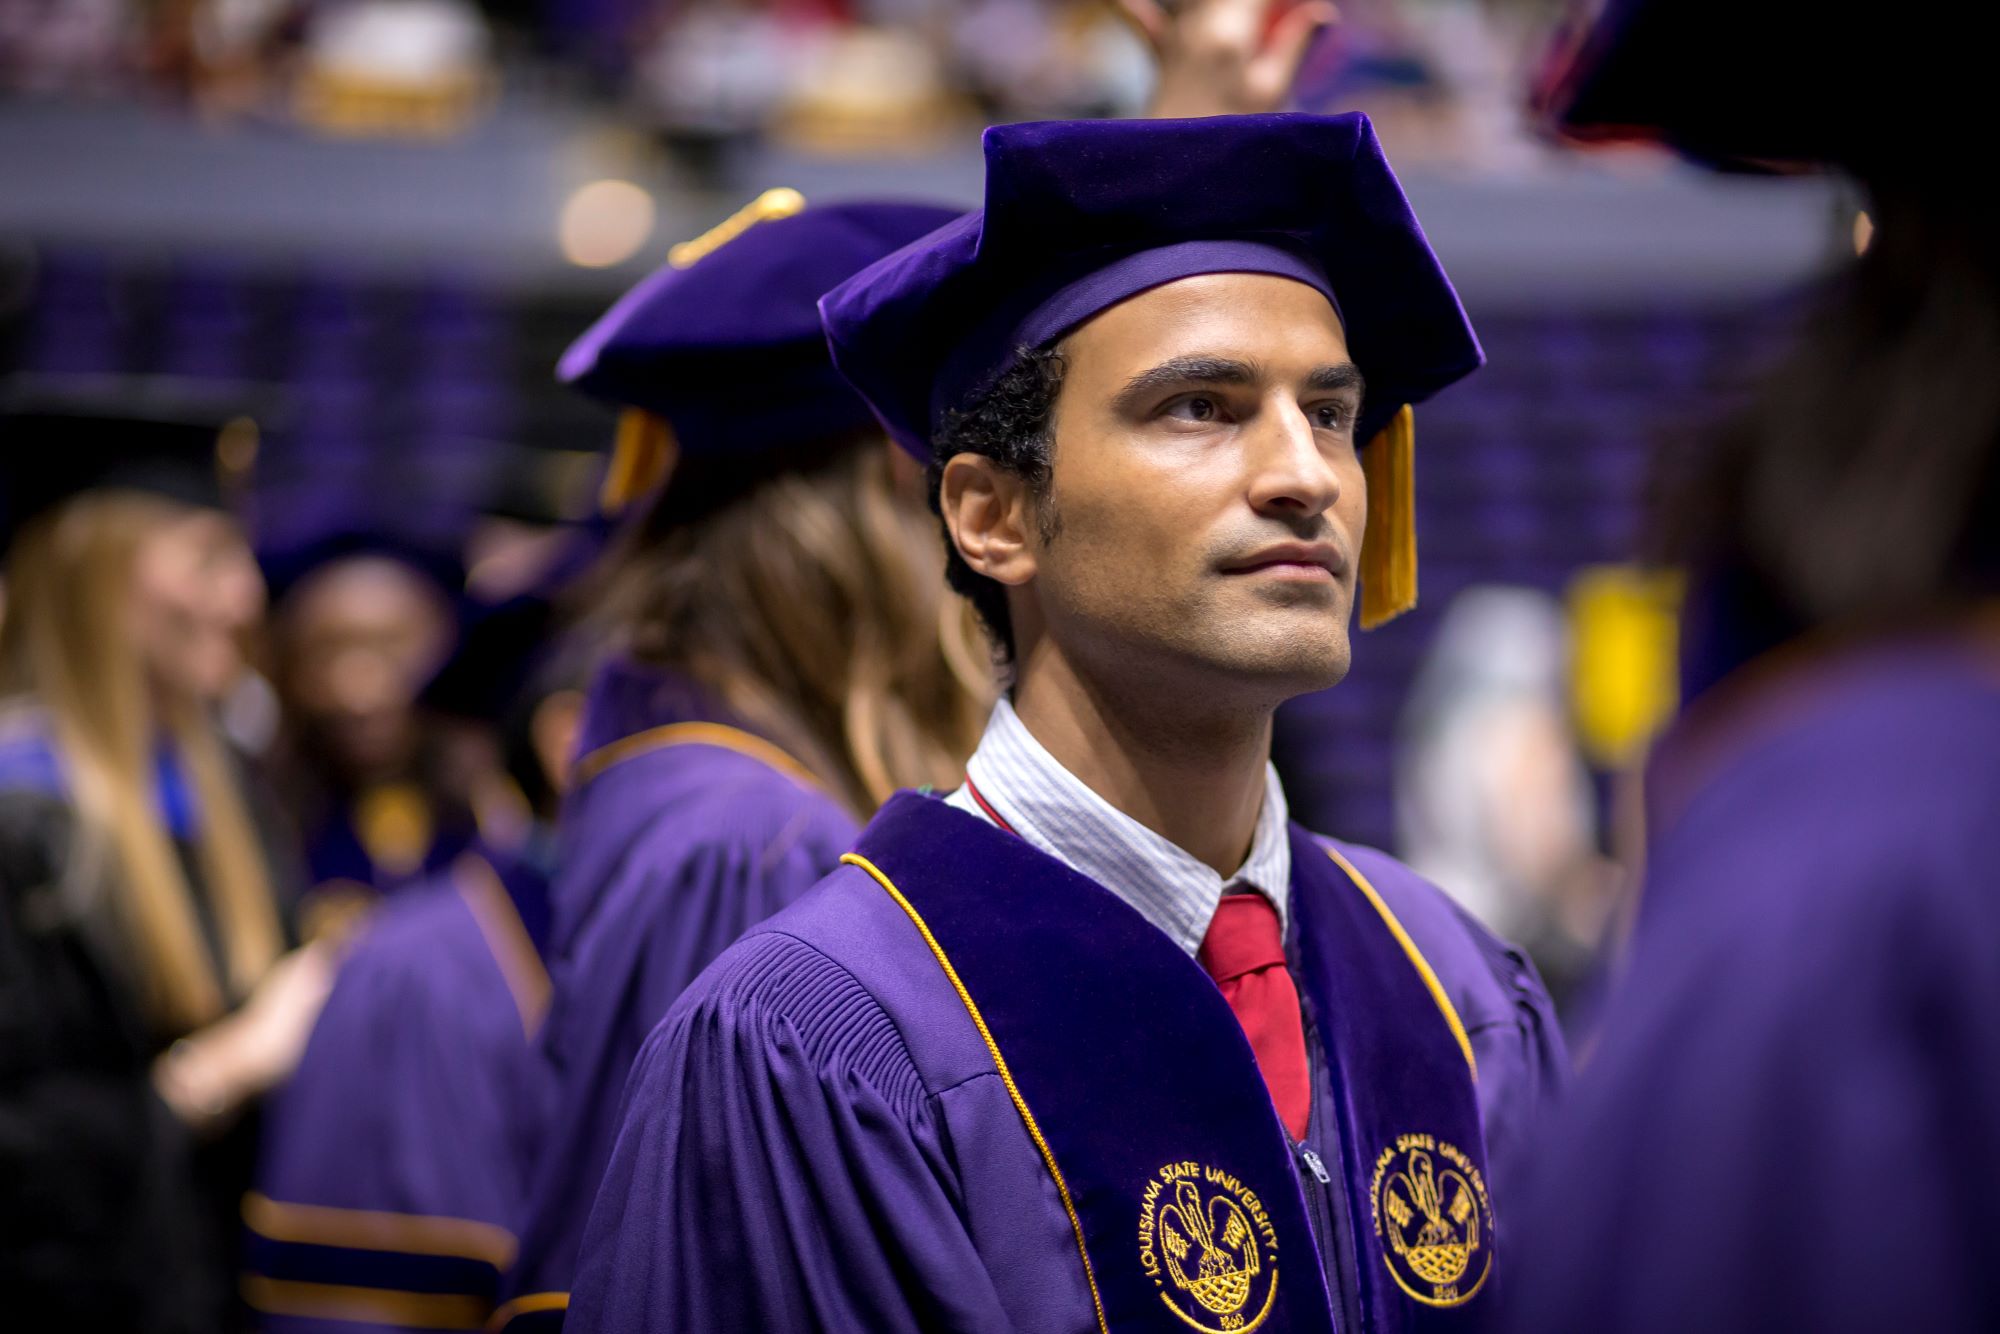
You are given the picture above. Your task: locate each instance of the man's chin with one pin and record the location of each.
(1288, 666)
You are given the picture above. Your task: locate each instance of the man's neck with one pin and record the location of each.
(1193, 775)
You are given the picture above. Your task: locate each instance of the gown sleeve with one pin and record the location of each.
(652, 900)
(386, 1197)
(780, 1167)
(1524, 1064)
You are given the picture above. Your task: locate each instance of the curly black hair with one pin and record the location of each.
(1012, 423)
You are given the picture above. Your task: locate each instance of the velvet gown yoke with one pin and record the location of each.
(820, 1134)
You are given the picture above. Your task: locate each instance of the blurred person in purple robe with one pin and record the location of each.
(785, 657)
(364, 616)
(388, 1192)
(1790, 1120)
(1101, 1040)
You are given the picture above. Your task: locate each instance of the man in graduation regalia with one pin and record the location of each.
(751, 714)
(1101, 1041)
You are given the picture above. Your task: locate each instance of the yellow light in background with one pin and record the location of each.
(605, 223)
(1624, 636)
(1864, 232)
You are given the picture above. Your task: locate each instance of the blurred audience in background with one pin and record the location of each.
(845, 76)
(1493, 796)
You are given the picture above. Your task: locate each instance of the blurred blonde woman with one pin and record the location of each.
(146, 996)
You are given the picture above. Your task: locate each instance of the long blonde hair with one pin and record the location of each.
(66, 643)
(810, 595)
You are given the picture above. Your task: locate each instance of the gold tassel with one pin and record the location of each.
(641, 460)
(1389, 548)
(782, 202)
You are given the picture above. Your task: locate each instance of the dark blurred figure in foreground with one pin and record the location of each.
(784, 661)
(146, 997)
(1790, 1124)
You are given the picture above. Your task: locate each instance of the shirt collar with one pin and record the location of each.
(1057, 813)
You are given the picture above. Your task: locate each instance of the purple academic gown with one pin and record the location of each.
(684, 831)
(389, 1187)
(834, 1130)
(1792, 1120)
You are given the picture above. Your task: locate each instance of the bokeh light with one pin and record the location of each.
(605, 223)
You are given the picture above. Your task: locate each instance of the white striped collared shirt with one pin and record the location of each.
(1058, 814)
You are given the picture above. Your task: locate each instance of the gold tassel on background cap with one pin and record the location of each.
(782, 202)
(641, 460)
(1389, 548)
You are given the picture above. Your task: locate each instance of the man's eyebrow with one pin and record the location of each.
(1187, 370)
(1335, 379)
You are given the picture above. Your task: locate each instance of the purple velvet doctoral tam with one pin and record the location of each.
(819, 1137)
(728, 348)
(685, 831)
(1081, 214)
(1792, 1121)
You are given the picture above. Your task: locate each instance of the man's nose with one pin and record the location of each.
(1290, 471)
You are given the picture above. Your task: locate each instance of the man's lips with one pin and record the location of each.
(1294, 560)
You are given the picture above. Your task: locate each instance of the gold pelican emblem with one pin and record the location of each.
(1209, 1246)
(1209, 1249)
(1434, 1220)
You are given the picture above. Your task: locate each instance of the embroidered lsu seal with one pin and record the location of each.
(1433, 1220)
(1207, 1243)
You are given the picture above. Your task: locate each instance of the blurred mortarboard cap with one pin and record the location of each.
(512, 660)
(1776, 83)
(499, 649)
(309, 527)
(63, 436)
(721, 350)
(1081, 215)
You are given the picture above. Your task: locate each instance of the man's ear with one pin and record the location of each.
(990, 513)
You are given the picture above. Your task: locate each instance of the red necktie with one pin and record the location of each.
(1244, 952)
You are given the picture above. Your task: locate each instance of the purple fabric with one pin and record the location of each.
(625, 698)
(1789, 1119)
(1398, 1072)
(729, 348)
(989, 350)
(816, 1137)
(406, 1101)
(668, 857)
(1066, 199)
(1163, 1049)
